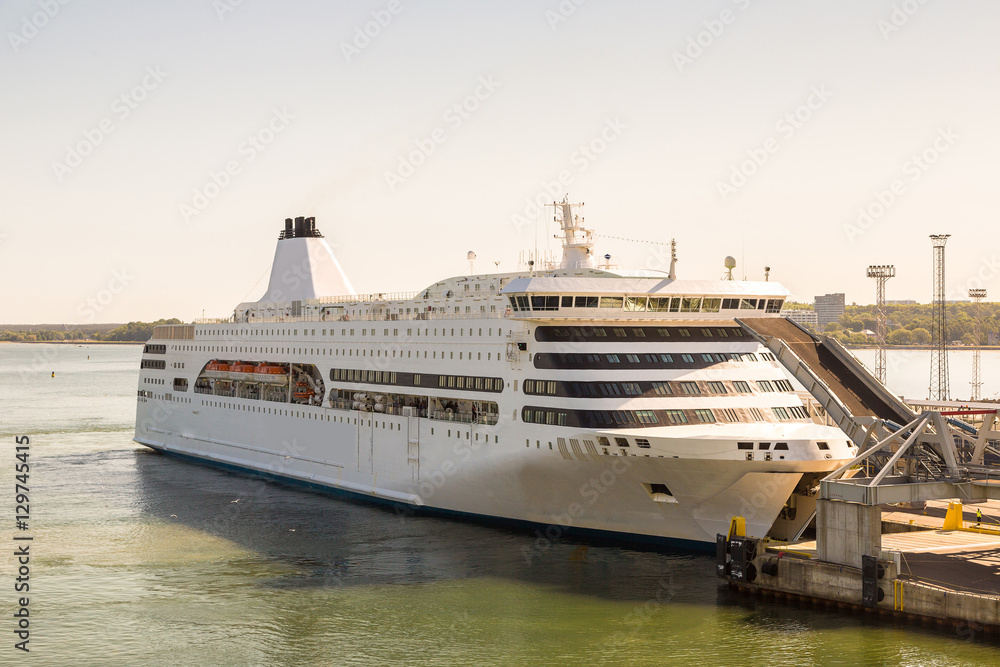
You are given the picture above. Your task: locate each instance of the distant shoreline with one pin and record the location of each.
(951, 348)
(72, 342)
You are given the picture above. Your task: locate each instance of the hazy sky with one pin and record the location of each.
(151, 150)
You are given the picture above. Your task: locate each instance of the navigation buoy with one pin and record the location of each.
(53, 373)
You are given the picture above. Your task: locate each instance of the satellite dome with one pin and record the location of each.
(730, 263)
(471, 256)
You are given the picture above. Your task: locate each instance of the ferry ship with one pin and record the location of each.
(569, 396)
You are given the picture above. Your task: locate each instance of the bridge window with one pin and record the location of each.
(635, 303)
(545, 303)
(691, 305)
(587, 301)
(659, 305)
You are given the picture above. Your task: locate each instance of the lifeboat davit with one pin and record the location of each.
(303, 391)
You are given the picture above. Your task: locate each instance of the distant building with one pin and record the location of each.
(900, 302)
(806, 318)
(829, 308)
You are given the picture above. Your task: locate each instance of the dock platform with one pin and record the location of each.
(929, 573)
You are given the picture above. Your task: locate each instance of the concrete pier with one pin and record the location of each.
(942, 576)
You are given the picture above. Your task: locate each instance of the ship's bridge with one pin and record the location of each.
(637, 298)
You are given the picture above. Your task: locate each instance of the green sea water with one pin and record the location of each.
(142, 559)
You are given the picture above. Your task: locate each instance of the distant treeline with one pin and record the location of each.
(131, 332)
(910, 324)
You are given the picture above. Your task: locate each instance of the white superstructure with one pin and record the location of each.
(626, 403)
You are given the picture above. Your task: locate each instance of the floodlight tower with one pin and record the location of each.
(881, 274)
(939, 390)
(977, 295)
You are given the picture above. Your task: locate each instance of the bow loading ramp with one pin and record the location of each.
(852, 397)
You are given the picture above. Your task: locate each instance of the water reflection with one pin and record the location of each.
(330, 541)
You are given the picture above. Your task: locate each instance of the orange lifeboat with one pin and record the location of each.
(218, 370)
(270, 373)
(240, 370)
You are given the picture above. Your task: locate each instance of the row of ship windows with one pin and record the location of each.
(571, 360)
(648, 418)
(265, 410)
(473, 383)
(694, 304)
(154, 348)
(644, 388)
(410, 333)
(345, 352)
(643, 443)
(143, 395)
(599, 333)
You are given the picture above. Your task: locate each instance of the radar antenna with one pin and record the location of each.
(730, 265)
(578, 244)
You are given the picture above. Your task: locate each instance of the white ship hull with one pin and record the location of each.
(580, 401)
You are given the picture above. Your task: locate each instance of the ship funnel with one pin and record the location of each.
(304, 266)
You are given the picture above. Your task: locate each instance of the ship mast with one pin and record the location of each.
(577, 241)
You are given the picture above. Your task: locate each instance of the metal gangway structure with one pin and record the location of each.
(906, 456)
(852, 397)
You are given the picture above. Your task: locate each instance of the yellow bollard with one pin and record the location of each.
(953, 519)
